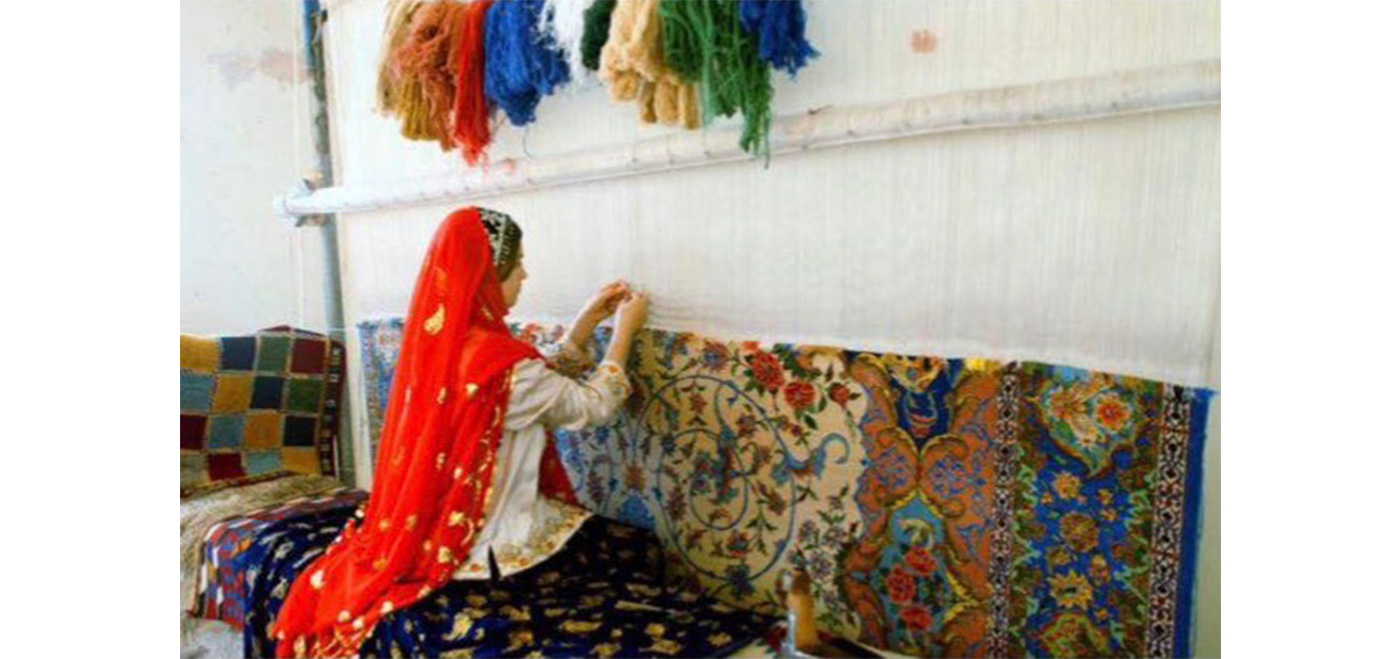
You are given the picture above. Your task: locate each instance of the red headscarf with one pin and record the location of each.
(437, 455)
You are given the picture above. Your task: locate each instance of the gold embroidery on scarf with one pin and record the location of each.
(411, 522)
(442, 395)
(441, 460)
(490, 490)
(460, 626)
(380, 564)
(383, 525)
(387, 608)
(440, 280)
(444, 555)
(519, 639)
(434, 323)
(471, 390)
(578, 626)
(456, 518)
(487, 313)
(358, 624)
(664, 646)
(456, 473)
(343, 617)
(318, 580)
(643, 590)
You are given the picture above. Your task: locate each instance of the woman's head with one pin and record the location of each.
(506, 253)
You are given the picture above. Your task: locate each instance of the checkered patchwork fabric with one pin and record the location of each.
(257, 407)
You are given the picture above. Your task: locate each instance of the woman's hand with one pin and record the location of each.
(596, 310)
(632, 312)
(603, 303)
(631, 315)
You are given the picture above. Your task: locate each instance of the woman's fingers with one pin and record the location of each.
(608, 295)
(617, 292)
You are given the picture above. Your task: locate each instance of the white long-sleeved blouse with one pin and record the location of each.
(521, 527)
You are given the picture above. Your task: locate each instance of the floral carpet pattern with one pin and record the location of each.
(943, 507)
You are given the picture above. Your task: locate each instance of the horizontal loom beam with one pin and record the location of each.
(1159, 89)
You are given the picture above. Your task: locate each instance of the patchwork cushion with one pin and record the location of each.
(258, 407)
(233, 392)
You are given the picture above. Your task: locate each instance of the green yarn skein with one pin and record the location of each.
(597, 19)
(705, 42)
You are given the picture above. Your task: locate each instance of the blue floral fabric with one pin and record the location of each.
(605, 594)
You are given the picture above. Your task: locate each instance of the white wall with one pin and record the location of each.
(1092, 244)
(244, 137)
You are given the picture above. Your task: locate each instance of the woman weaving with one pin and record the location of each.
(467, 468)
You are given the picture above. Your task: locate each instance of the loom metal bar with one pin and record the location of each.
(1159, 89)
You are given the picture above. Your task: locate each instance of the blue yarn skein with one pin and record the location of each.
(780, 27)
(522, 65)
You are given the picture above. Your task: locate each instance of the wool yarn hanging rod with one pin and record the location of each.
(1160, 89)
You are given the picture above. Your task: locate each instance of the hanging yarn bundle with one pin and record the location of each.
(780, 28)
(446, 65)
(425, 66)
(596, 22)
(685, 39)
(706, 42)
(397, 17)
(626, 39)
(471, 117)
(633, 66)
(562, 24)
(521, 65)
